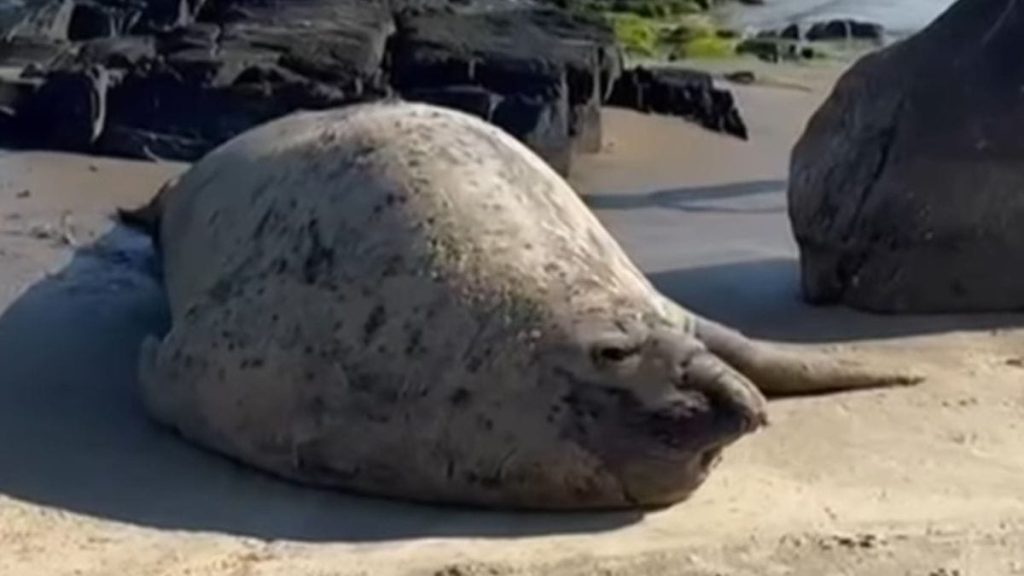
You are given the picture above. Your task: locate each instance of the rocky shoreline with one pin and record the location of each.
(172, 79)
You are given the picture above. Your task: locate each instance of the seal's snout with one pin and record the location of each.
(734, 397)
(660, 410)
(735, 404)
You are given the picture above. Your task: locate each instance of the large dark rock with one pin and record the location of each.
(547, 72)
(907, 188)
(770, 47)
(15, 92)
(542, 122)
(178, 84)
(89, 21)
(475, 100)
(49, 20)
(186, 85)
(839, 29)
(690, 94)
(845, 29)
(183, 76)
(68, 111)
(77, 20)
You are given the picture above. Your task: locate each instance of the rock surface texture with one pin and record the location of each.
(679, 92)
(175, 78)
(907, 190)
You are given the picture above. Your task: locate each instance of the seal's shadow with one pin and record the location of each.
(762, 299)
(73, 433)
(755, 197)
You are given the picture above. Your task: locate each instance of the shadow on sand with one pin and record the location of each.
(73, 433)
(762, 299)
(698, 199)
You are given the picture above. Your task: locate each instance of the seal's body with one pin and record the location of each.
(402, 300)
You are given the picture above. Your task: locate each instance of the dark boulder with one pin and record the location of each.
(182, 76)
(547, 72)
(8, 127)
(181, 89)
(77, 20)
(789, 42)
(475, 100)
(773, 48)
(167, 14)
(188, 105)
(585, 127)
(68, 111)
(845, 29)
(17, 52)
(764, 47)
(791, 32)
(541, 122)
(741, 77)
(907, 187)
(134, 142)
(122, 53)
(89, 21)
(15, 92)
(47, 21)
(689, 94)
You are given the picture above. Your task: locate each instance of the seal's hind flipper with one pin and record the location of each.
(146, 218)
(777, 371)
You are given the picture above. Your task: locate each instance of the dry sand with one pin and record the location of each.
(921, 481)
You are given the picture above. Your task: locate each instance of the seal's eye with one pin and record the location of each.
(606, 354)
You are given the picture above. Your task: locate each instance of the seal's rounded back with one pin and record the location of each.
(403, 300)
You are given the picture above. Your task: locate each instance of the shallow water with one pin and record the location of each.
(899, 17)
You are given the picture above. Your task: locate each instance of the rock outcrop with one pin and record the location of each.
(540, 74)
(907, 188)
(686, 93)
(175, 78)
(801, 41)
(845, 29)
(184, 77)
(839, 29)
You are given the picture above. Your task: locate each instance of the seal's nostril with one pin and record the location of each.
(752, 413)
(735, 397)
(756, 419)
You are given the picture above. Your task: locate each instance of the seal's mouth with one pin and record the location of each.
(709, 458)
(663, 481)
(662, 456)
(702, 424)
(704, 463)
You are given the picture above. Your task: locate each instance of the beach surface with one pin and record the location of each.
(912, 481)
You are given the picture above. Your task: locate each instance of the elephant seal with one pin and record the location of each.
(402, 300)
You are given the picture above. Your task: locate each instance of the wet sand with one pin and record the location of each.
(922, 480)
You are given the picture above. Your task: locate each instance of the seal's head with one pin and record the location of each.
(647, 400)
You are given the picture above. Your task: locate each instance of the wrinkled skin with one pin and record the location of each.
(402, 300)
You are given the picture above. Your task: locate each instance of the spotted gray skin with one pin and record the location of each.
(401, 300)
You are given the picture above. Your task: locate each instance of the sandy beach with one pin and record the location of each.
(914, 481)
